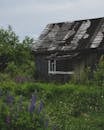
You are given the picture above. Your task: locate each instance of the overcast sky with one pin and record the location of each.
(29, 17)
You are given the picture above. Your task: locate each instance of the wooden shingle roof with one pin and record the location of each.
(69, 36)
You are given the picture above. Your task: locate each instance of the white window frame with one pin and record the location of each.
(52, 68)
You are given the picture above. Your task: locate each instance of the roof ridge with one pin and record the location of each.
(75, 20)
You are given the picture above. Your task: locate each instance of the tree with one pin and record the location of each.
(15, 56)
(8, 42)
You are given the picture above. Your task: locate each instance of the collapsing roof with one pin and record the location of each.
(70, 36)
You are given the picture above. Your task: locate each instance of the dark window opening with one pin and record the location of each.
(64, 65)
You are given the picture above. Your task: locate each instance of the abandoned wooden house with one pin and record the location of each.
(65, 49)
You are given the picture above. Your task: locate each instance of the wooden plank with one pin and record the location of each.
(61, 72)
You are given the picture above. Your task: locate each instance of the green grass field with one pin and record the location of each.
(68, 106)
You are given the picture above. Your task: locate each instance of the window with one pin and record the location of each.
(60, 67)
(51, 65)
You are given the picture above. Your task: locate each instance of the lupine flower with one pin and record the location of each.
(21, 79)
(40, 107)
(32, 104)
(20, 103)
(9, 99)
(8, 119)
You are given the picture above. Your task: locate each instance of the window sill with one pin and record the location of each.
(60, 72)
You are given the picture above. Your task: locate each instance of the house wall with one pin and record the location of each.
(89, 59)
(41, 68)
(42, 71)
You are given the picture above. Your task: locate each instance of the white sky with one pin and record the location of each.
(29, 17)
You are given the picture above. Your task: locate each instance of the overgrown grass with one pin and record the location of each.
(68, 106)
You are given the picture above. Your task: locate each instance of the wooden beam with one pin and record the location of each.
(61, 72)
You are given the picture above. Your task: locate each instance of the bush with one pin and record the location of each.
(16, 113)
(99, 73)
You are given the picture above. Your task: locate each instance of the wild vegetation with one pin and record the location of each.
(27, 105)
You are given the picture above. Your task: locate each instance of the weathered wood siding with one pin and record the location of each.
(41, 68)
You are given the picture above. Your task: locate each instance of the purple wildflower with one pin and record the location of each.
(9, 99)
(21, 79)
(32, 104)
(40, 107)
(20, 103)
(8, 119)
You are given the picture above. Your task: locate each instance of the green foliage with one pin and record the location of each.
(72, 103)
(83, 77)
(8, 43)
(99, 73)
(16, 58)
(17, 113)
(24, 70)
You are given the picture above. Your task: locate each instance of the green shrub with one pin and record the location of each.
(99, 73)
(16, 113)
